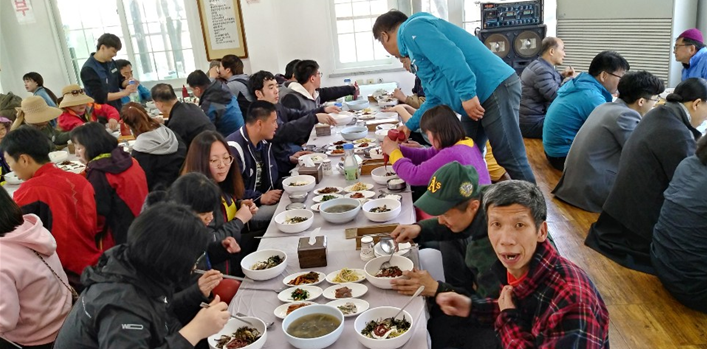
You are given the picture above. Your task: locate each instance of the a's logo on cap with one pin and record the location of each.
(466, 189)
(434, 185)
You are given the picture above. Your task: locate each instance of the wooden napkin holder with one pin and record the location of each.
(312, 256)
(373, 124)
(378, 230)
(315, 171)
(322, 130)
(371, 164)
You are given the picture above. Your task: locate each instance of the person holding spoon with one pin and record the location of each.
(455, 196)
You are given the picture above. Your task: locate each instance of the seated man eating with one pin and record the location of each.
(294, 125)
(454, 195)
(546, 300)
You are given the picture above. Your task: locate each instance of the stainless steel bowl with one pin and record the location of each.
(393, 185)
(298, 197)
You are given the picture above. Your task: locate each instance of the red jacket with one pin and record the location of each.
(94, 112)
(121, 187)
(64, 201)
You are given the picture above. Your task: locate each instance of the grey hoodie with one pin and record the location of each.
(161, 141)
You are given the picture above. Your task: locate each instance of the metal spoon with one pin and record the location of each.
(417, 293)
(268, 325)
(206, 305)
(388, 246)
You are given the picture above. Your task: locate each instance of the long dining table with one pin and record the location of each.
(259, 298)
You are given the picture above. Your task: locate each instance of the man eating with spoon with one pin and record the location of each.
(454, 195)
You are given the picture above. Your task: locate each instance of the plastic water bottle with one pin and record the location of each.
(350, 164)
(134, 96)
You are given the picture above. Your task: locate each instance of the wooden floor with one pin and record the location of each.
(642, 312)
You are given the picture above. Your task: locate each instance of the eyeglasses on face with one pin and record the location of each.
(675, 47)
(618, 76)
(222, 161)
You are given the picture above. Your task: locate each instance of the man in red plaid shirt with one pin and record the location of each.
(547, 301)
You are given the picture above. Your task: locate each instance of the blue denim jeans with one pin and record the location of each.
(500, 126)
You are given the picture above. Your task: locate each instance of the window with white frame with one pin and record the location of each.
(356, 46)
(439, 8)
(159, 45)
(472, 15)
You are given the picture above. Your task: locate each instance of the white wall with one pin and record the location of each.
(277, 31)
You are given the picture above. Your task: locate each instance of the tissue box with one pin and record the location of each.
(315, 171)
(322, 130)
(312, 256)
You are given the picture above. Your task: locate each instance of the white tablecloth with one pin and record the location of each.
(340, 253)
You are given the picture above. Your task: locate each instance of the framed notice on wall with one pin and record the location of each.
(222, 26)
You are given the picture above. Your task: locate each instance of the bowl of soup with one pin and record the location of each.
(313, 327)
(340, 210)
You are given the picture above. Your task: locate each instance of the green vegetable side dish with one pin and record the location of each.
(270, 263)
(299, 294)
(386, 328)
(328, 197)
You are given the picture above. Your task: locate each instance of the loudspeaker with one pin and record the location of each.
(517, 46)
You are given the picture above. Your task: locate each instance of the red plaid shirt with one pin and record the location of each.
(557, 306)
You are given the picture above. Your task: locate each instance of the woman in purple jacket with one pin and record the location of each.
(449, 143)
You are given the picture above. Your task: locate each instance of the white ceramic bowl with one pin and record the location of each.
(297, 227)
(381, 134)
(310, 180)
(376, 153)
(358, 104)
(248, 261)
(379, 217)
(339, 217)
(377, 314)
(12, 178)
(379, 174)
(317, 158)
(234, 324)
(353, 133)
(58, 156)
(386, 115)
(374, 265)
(342, 118)
(319, 342)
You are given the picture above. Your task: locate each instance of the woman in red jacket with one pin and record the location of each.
(117, 179)
(79, 109)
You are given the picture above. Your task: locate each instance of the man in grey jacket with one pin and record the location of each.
(540, 82)
(593, 159)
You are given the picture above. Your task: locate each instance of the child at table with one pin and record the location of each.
(209, 155)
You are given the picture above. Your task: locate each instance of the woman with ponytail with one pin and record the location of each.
(35, 83)
(665, 136)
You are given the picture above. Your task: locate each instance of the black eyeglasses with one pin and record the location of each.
(612, 74)
(75, 92)
(675, 47)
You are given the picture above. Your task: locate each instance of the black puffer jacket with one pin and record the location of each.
(121, 308)
(540, 83)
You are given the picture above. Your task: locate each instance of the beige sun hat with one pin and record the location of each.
(74, 95)
(35, 110)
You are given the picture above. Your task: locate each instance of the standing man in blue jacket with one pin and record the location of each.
(457, 70)
(690, 50)
(254, 154)
(576, 99)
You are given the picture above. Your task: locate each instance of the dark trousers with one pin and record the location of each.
(532, 129)
(461, 333)
(500, 126)
(558, 163)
